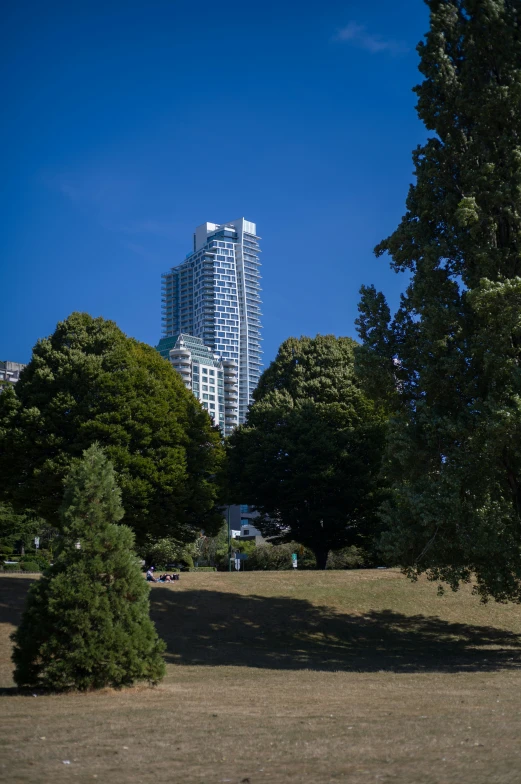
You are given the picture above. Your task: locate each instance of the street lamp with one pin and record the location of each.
(229, 541)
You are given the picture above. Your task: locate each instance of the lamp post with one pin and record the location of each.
(229, 541)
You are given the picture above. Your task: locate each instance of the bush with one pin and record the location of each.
(86, 624)
(11, 567)
(347, 558)
(40, 561)
(213, 550)
(164, 551)
(30, 566)
(277, 557)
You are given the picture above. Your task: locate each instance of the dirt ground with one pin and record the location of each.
(288, 677)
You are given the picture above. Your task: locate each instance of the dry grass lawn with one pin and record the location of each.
(283, 677)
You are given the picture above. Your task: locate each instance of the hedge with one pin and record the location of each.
(30, 566)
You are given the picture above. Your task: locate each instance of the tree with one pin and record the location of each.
(308, 455)
(167, 550)
(89, 382)
(449, 362)
(18, 530)
(86, 624)
(213, 550)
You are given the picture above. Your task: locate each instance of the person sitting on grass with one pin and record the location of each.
(150, 575)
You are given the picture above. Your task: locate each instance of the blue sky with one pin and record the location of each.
(126, 124)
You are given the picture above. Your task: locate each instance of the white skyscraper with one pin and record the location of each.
(215, 295)
(212, 379)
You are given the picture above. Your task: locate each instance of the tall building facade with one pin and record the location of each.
(215, 295)
(212, 380)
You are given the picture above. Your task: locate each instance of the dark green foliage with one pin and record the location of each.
(89, 383)
(30, 566)
(348, 558)
(375, 358)
(220, 557)
(38, 558)
(277, 557)
(86, 624)
(213, 550)
(452, 353)
(161, 552)
(18, 530)
(309, 454)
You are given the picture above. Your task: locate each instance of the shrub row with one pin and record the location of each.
(26, 566)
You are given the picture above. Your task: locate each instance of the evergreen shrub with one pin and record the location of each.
(86, 624)
(30, 566)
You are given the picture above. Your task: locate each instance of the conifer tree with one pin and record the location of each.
(449, 363)
(86, 624)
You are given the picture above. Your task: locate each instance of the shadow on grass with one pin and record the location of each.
(214, 628)
(13, 591)
(281, 633)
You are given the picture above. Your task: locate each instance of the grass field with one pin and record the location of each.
(288, 677)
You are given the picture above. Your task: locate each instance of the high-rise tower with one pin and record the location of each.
(215, 295)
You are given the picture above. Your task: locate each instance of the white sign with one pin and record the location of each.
(295, 564)
(37, 541)
(237, 564)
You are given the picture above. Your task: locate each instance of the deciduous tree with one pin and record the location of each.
(308, 455)
(89, 383)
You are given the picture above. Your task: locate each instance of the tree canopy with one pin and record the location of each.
(89, 383)
(86, 624)
(308, 456)
(449, 362)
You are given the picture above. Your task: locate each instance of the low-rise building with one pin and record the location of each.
(242, 518)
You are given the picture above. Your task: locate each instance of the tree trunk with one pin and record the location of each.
(321, 555)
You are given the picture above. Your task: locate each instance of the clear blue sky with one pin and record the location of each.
(126, 124)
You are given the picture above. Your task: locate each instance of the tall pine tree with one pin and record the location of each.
(86, 624)
(449, 363)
